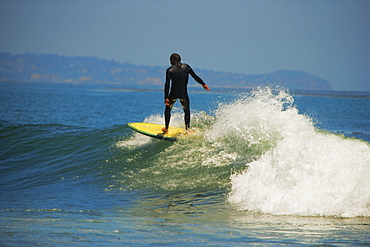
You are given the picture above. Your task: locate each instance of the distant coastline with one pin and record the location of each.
(91, 70)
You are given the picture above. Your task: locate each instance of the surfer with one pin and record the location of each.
(177, 76)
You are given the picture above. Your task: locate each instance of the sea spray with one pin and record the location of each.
(305, 171)
(255, 122)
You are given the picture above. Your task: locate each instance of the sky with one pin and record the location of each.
(326, 38)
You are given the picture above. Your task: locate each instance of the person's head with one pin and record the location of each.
(175, 58)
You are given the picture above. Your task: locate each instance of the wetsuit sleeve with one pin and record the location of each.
(196, 78)
(167, 84)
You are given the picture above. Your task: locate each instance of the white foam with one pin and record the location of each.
(258, 120)
(304, 172)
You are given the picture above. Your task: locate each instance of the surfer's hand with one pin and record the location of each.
(206, 87)
(167, 102)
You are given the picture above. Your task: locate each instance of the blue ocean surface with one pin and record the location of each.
(265, 167)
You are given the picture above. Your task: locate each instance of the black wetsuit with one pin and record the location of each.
(178, 75)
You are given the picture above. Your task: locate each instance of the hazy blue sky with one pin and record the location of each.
(327, 38)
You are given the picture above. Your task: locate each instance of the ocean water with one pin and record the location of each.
(266, 167)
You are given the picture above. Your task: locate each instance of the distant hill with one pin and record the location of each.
(92, 70)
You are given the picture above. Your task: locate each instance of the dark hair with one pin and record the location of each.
(175, 58)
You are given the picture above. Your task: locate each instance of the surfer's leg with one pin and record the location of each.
(186, 106)
(167, 114)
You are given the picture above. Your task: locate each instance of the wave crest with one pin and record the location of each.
(305, 172)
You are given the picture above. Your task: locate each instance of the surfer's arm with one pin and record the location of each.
(197, 78)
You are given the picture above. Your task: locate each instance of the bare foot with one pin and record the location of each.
(190, 131)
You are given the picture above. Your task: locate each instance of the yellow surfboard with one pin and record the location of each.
(155, 130)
